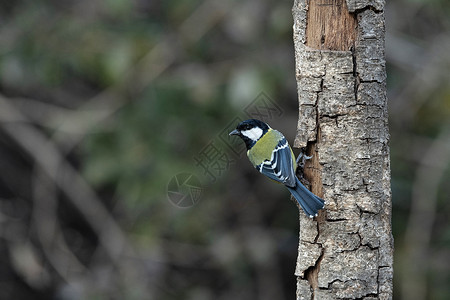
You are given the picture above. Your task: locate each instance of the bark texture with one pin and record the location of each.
(347, 251)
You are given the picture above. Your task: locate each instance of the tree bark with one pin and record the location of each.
(347, 251)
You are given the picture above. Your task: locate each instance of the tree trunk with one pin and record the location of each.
(347, 251)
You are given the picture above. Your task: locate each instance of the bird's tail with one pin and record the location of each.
(310, 203)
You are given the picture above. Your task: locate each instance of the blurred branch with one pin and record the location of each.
(260, 244)
(427, 75)
(435, 161)
(38, 112)
(48, 157)
(50, 235)
(407, 57)
(48, 153)
(147, 69)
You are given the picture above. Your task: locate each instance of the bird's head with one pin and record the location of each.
(250, 131)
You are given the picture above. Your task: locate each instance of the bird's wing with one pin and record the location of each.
(280, 167)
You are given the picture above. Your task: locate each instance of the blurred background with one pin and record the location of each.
(118, 180)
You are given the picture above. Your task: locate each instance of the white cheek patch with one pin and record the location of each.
(253, 134)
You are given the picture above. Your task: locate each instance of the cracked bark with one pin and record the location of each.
(347, 251)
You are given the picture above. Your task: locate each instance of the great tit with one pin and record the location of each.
(270, 153)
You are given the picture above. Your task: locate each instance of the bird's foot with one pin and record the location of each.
(302, 158)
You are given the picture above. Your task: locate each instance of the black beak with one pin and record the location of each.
(234, 132)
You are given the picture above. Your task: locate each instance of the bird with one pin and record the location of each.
(270, 153)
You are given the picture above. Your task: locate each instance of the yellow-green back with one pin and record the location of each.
(263, 148)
